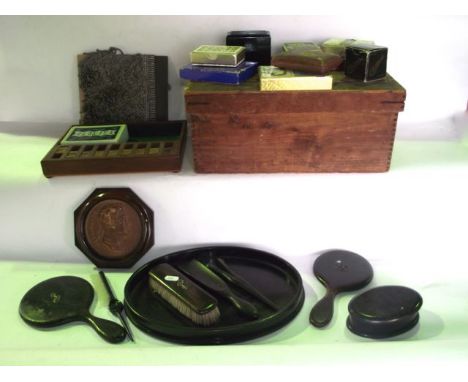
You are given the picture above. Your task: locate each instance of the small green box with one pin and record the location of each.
(98, 134)
(291, 46)
(218, 55)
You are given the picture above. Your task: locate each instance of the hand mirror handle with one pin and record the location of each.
(322, 312)
(108, 330)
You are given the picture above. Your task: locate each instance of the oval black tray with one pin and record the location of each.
(271, 275)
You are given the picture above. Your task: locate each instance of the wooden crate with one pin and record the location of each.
(239, 129)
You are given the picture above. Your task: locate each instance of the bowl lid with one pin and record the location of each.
(384, 311)
(385, 303)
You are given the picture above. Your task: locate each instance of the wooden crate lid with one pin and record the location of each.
(348, 95)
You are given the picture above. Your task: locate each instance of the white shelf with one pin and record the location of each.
(410, 223)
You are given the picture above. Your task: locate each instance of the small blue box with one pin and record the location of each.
(223, 75)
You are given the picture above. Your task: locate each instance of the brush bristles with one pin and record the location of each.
(204, 318)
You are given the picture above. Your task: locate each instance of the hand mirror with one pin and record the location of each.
(339, 271)
(65, 299)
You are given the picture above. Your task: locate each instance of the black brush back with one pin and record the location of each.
(122, 88)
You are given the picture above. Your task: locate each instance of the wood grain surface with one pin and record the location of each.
(243, 130)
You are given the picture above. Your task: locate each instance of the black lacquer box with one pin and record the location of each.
(366, 62)
(256, 43)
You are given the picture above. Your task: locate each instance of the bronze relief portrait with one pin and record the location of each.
(114, 228)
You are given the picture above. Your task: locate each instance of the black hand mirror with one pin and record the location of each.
(339, 271)
(64, 299)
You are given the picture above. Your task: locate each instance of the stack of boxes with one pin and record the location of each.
(219, 63)
(299, 66)
(232, 63)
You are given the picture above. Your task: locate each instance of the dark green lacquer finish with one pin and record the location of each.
(339, 271)
(271, 276)
(210, 280)
(115, 306)
(222, 269)
(384, 311)
(366, 62)
(164, 279)
(60, 300)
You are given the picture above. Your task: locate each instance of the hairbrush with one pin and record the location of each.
(184, 295)
(202, 274)
(219, 266)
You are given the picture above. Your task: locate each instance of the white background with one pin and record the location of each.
(428, 55)
(413, 212)
(410, 222)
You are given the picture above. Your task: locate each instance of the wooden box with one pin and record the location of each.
(239, 129)
(155, 146)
